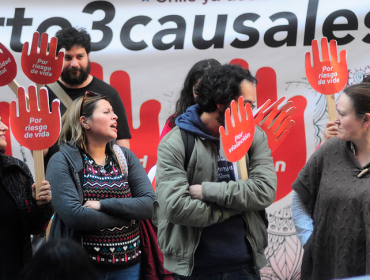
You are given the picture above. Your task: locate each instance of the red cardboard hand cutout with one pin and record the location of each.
(265, 109)
(239, 137)
(275, 122)
(42, 68)
(328, 76)
(36, 128)
(8, 67)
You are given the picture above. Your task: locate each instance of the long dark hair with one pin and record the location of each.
(186, 98)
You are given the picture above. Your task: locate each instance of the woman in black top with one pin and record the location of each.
(20, 213)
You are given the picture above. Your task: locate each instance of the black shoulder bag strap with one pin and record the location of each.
(189, 141)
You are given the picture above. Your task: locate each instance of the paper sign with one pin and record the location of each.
(35, 128)
(238, 138)
(8, 66)
(328, 76)
(42, 68)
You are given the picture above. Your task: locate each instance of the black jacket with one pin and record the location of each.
(17, 179)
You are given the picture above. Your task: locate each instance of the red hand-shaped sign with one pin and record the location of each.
(327, 76)
(36, 129)
(8, 67)
(42, 68)
(275, 122)
(239, 137)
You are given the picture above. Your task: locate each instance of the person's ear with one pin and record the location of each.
(84, 122)
(220, 106)
(367, 120)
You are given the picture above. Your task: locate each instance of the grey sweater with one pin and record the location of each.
(339, 203)
(65, 174)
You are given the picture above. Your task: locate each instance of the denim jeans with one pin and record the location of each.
(241, 274)
(131, 273)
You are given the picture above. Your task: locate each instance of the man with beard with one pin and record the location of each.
(75, 80)
(211, 224)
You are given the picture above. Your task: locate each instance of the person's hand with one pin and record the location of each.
(196, 191)
(44, 196)
(331, 130)
(93, 204)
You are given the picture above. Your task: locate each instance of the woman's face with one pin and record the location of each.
(350, 128)
(3, 130)
(102, 126)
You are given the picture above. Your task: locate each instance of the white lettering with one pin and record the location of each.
(279, 164)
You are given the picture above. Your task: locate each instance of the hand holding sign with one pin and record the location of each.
(42, 68)
(239, 137)
(8, 69)
(275, 122)
(36, 128)
(327, 76)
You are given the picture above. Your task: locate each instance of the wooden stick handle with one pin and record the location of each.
(332, 109)
(14, 87)
(38, 87)
(242, 169)
(38, 157)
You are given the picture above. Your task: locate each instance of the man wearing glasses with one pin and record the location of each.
(212, 225)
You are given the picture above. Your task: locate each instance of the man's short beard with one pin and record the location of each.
(75, 79)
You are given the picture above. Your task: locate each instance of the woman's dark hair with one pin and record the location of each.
(71, 36)
(59, 260)
(359, 94)
(186, 98)
(221, 85)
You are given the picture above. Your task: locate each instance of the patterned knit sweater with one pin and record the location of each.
(339, 202)
(109, 245)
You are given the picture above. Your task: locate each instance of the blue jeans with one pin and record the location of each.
(241, 274)
(132, 272)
